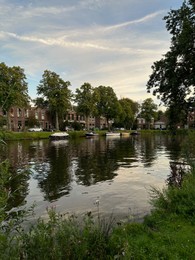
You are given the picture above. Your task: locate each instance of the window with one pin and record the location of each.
(26, 113)
(19, 112)
(42, 116)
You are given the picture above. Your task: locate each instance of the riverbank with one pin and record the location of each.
(13, 136)
(167, 233)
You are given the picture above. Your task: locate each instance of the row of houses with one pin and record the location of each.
(163, 122)
(20, 119)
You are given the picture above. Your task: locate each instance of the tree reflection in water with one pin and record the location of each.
(59, 166)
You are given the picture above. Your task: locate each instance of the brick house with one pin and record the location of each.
(94, 122)
(20, 117)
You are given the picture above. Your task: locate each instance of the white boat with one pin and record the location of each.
(112, 134)
(91, 134)
(59, 136)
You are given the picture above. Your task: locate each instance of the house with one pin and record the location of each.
(159, 125)
(20, 119)
(142, 124)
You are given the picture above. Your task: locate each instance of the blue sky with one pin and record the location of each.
(103, 42)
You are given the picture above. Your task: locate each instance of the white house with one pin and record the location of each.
(159, 125)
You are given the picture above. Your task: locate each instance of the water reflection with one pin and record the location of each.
(62, 169)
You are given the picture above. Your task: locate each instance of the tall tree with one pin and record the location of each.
(55, 93)
(148, 111)
(84, 98)
(129, 111)
(107, 104)
(13, 89)
(173, 77)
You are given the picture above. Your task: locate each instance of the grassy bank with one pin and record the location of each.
(9, 136)
(167, 233)
(12, 136)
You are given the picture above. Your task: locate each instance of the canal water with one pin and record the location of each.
(110, 175)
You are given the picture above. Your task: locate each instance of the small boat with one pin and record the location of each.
(134, 133)
(59, 136)
(112, 134)
(91, 134)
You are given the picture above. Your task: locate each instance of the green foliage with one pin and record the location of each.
(84, 98)
(3, 121)
(148, 110)
(32, 122)
(188, 149)
(76, 126)
(129, 110)
(107, 104)
(64, 237)
(4, 192)
(6, 135)
(55, 93)
(173, 77)
(13, 88)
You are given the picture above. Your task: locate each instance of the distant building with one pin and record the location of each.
(159, 125)
(20, 119)
(94, 122)
(142, 124)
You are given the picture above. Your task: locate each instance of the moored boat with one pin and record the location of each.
(135, 133)
(112, 134)
(59, 136)
(91, 134)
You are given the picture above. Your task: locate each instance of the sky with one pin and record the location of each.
(103, 42)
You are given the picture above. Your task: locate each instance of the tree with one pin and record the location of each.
(84, 98)
(32, 121)
(148, 111)
(13, 89)
(107, 104)
(173, 77)
(129, 111)
(55, 94)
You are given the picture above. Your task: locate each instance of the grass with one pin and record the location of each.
(12, 136)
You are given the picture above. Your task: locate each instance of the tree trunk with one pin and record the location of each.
(87, 122)
(108, 124)
(57, 121)
(8, 121)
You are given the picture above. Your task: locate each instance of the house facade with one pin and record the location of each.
(159, 125)
(94, 122)
(21, 118)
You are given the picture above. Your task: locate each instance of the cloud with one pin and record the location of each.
(102, 42)
(137, 21)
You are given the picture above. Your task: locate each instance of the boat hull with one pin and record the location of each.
(91, 134)
(112, 134)
(59, 136)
